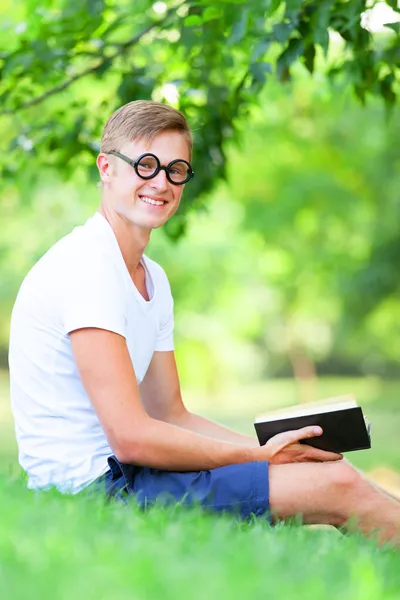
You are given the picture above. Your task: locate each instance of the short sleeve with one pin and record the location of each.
(92, 295)
(165, 336)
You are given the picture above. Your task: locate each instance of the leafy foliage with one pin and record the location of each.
(66, 66)
(316, 177)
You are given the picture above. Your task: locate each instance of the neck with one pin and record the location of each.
(131, 239)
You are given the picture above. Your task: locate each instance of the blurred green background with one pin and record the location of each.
(286, 278)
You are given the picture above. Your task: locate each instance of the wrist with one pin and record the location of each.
(248, 454)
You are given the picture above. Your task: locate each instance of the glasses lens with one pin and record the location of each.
(147, 166)
(179, 171)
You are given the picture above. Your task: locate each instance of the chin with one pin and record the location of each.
(149, 224)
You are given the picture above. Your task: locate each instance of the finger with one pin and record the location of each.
(315, 454)
(294, 436)
(308, 432)
(281, 440)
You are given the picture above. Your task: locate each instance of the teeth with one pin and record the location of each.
(151, 201)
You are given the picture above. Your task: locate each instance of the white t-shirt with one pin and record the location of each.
(82, 281)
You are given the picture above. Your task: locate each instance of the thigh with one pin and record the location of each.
(239, 489)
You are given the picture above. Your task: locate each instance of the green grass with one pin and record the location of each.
(76, 547)
(63, 547)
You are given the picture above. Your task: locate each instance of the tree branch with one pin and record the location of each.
(122, 48)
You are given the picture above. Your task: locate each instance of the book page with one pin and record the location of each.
(309, 408)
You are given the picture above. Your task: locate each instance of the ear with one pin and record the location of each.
(105, 169)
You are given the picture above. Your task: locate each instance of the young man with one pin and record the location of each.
(94, 384)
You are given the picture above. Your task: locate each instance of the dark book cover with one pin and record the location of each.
(343, 430)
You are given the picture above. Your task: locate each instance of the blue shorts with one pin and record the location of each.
(239, 489)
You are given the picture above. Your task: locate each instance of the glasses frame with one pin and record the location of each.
(135, 165)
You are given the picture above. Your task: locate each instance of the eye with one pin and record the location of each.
(147, 163)
(179, 169)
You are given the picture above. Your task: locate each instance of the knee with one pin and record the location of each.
(344, 478)
(343, 488)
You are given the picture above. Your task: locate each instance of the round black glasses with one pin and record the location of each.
(147, 166)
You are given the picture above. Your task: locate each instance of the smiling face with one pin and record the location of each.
(144, 203)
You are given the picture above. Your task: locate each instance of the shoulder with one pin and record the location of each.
(92, 243)
(81, 241)
(84, 254)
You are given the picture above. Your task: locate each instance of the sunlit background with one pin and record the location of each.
(286, 282)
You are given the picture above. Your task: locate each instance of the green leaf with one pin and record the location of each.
(293, 5)
(294, 49)
(211, 13)
(103, 67)
(360, 91)
(193, 21)
(320, 21)
(386, 87)
(281, 32)
(275, 4)
(394, 5)
(239, 29)
(309, 57)
(259, 71)
(260, 49)
(394, 26)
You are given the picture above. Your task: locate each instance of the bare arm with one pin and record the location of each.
(107, 374)
(137, 437)
(215, 430)
(161, 394)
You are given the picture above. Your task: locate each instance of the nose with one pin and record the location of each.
(160, 181)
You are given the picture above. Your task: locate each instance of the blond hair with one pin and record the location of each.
(142, 119)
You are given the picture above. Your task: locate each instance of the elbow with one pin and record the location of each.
(132, 447)
(128, 451)
(122, 455)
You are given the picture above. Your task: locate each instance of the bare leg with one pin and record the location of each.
(383, 491)
(333, 494)
(375, 485)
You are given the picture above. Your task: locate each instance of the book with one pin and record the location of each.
(344, 426)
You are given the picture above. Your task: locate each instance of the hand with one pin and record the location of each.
(285, 448)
